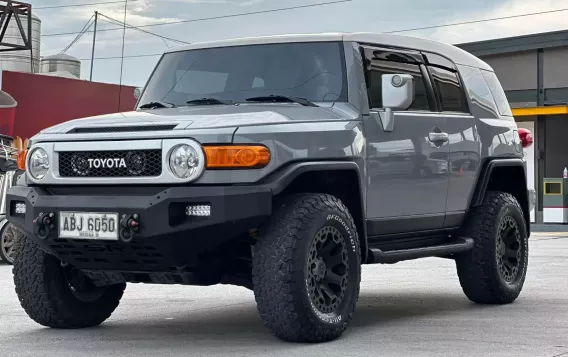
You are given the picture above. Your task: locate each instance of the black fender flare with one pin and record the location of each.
(485, 175)
(280, 179)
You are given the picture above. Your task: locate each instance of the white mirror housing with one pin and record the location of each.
(137, 92)
(397, 91)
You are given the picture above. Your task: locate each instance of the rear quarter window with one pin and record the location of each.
(497, 92)
(478, 92)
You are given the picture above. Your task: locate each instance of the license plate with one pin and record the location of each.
(88, 225)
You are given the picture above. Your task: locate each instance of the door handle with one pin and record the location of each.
(443, 137)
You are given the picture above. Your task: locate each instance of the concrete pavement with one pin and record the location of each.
(412, 308)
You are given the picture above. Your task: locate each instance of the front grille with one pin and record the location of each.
(119, 129)
(133, 163)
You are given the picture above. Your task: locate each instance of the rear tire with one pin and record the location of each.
(307, 269)
(494, 271)
(58, 297)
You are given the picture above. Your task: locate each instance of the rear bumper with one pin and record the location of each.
(166, 237)
(532, 198)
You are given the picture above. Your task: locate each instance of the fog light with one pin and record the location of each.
(20, 208)
(198, 210)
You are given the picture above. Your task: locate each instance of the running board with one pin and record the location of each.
(377, 256)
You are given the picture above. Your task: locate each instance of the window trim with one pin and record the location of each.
(419, 61)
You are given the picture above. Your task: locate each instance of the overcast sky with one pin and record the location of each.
(354, 15)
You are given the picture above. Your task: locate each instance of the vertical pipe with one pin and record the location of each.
(93, 50)
(30, 38)
(540, 135)
(122, 56)
(540, 77)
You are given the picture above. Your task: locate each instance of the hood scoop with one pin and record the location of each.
(120, 129)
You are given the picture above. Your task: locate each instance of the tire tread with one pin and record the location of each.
(273, 269)
(476, 269)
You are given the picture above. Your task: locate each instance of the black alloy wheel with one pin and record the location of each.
(508, 249)
(8, 237)
(327, 269)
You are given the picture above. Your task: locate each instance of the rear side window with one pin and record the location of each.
(497, 92)
(478, 90)
(452, 96)
(379, 67)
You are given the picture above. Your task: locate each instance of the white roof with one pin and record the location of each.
(457, 55)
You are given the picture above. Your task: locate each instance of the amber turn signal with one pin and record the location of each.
(22, 154)
(237, 156)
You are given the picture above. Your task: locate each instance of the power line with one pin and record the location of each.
(395, 31)
(215, 17)
(292, 8)
(479, 21)
(160, 54)
(119, 57)
(85, 28)
(116, 22)
(78, 5)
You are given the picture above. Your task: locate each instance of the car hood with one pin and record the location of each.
(221, 116)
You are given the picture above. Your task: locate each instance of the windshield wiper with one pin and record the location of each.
(282, 98)
(209, 101)
(157, 105)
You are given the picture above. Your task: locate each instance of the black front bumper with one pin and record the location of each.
(166, 238)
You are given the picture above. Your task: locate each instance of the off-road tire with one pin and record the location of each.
(478, 269)
(45, 295)
(280, 268)
(5, 257)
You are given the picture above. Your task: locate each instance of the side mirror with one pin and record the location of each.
(137, 92)
(397, 94)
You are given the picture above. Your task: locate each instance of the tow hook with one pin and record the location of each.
(44, 224)
(129, 225)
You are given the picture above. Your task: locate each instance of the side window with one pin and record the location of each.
(378, 67)
(497, 92)
(452, 96)
(478, 90)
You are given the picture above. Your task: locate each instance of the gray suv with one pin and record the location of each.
(281, 164)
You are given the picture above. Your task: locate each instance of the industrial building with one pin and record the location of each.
(25, 62)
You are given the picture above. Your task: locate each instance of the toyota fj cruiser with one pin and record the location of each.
(281, 164)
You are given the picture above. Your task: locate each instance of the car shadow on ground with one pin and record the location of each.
(240, 326)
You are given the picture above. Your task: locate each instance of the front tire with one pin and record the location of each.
(56, 296)
(494, 271)
(307, 269)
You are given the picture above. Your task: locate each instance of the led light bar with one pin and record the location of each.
(20, 208)
(198, 210)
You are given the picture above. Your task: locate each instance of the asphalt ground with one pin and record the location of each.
(413, 308)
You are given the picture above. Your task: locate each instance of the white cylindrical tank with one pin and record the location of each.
(21, 61)
(61, 63)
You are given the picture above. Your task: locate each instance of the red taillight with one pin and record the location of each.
(526, 137)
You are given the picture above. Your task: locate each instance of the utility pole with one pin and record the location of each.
(93, 51)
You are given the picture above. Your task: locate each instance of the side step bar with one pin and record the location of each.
(377, 256)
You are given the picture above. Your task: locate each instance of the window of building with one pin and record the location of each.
(379, 67)
(452, 96)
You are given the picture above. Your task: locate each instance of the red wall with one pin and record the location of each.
(44, 101)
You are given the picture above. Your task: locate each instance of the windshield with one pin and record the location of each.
(313, 71)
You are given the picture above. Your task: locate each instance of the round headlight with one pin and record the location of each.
(38, 163)
(185, 162)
